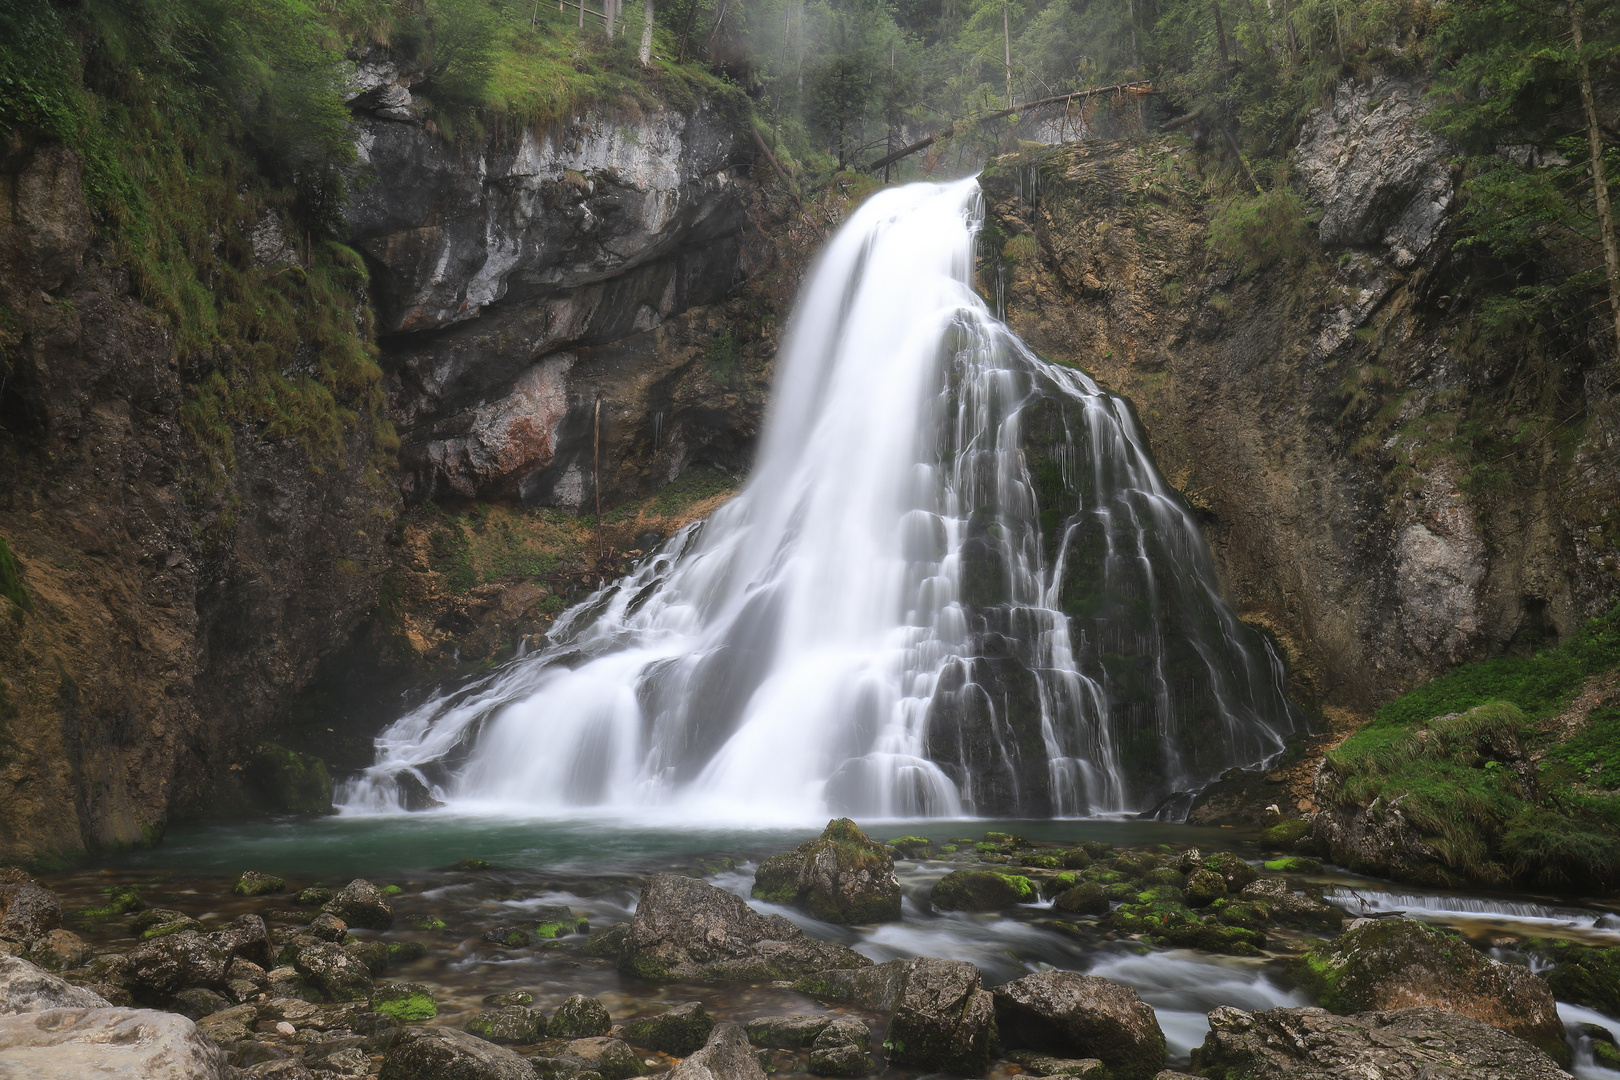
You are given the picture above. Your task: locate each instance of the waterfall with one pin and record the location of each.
(955, 584)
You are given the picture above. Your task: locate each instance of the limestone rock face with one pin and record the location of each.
(1401, 1044)
(843, 876)
(943, 1019)
(119, 1044)
(726, 1056)
(689, 930)
(1400, 964)
(1081, 1016)
(432, 1053)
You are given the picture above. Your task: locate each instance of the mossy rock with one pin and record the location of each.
(1097, 849)
(1164, 875)
(1104, 876)
(1284, 835)
(1086, 898)
(508, 1025)
(173, 926)
(1213, 937)
(291, 781)
(981, 890)
(679, 1031)
(403, 952)
(1293, 864)
(910, 847)
(253, 883)
(1587, 976)
(1238, 913)
(1134, 864)
(425, 922)
(472, 864)
(1161, 894)
(1121, 892)
(409, 1003)
(511, 997)
(1008, 840)
(121, 900)
(313, 896)
(1076, 858)
(1237, 873)
(843, 876)
(1204, 887)
(580, 1017)
(1061, 883)
(1041, 861)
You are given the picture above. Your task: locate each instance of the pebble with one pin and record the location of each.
(285, 1028)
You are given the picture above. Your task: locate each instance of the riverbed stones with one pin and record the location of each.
(61, 950)
(253, 883)
(232, 1025)
(509, 1025)
(1204, 887)
(1086, 898)
(169, 963)
(28, 912)
(25, 987)
(1398, 1044)
(329, 927)
(1399, 963)
(786, 1032)
(981, 890)
(942, 1019)
(1289, 908)
(406, 1002)
(1237, 873)
(441, 1053)
(338, 976)
(245, 936)
(115, 1043)
(612, 1059)
(689, 930)
(373, 954)
(678, 1031)
(725, 1056)
(1081, 1016)
(362, 904)
(843, 876)
(842, 1049)
(580, 1017)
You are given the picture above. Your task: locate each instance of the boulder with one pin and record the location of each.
(511, 997)
(726, 1056)
(1289, 908)
(689, 930)
(373, 954)
(509, 1024)
(580, 1017)
(678, 1031)
(25, 987)
(110, 1042)
(362, 904)
(406, 1002)
(564, 1067)
(1204, 887)
(1081, 1016)
(245, 936)
(338, 976)
(786, 1032)
(981, 890)
(1587, 976)
(28, 912)
(175, 961)
(876, 987)
(197, 1002)
(612, 1059)
(1401, 1044)
(942, 1019)
(1398, 964)
(1086, 898)
(231, 1025)
(329, 927)
(843, 876)
(61, 950)
(1237, 873)
(253, 883)
(1037, 1064)
(441, 1053)
(842, 1049)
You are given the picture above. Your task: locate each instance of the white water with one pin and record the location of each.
(882, 622)
(1520, 916)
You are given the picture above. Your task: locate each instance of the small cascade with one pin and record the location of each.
(954, 585)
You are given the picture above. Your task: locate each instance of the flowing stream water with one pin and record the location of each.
(955, 585)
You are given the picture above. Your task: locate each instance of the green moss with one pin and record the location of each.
(1293, 864)
(408, 1007)
(401, 952)
(550, 930)
(1285, 834)
(425, 922)
(11, 584)
(121, 900)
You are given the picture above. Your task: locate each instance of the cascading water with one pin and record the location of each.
(954, 585)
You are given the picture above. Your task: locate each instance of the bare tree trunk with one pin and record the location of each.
(646, 31)
(1006, 44)
(610, 12)
(1600, 182)
(1220, 33)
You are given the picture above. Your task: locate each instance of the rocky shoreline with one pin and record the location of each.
(316, 983)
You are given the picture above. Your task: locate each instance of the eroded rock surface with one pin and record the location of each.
(114, 1043)
(843, 876)
(1081, 1016)
(943, 1019)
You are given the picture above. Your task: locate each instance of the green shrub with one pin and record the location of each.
(1255, 231)
(11, 586)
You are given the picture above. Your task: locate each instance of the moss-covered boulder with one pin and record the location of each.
(1238, 874)
(1204, 887)
(981, 890)
(1285, 835)
(679, 1031)
(253, 883)
(313, 895)
(842, 876)
(439, 1053)
(1587, 976)
(1286, 906)
(842, 1049)
(362, 904)
(510, 1025)
(786, 1032)
(910, 847)
(409, 1003)
(580, 1017)
(291, 781)
(1176, 925)
(1293, 864)
(1086, 898)
(1398, 964)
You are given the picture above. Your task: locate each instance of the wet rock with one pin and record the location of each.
(329, 927)
(61, 950)
(1087, 898)
(843, 876)
(338, 976)
(253, 883)
(1587, 976)
(1400, 1044)
(1204, 887)
(1293, 864)
(612, 1059)
(511, 997)
(1037, 1064)
(341, 1063)
(1236, 873)
(1285, 907)
(231, 1025)
(166, 964)
(197, 1002)
(877, 987)
(28, 912)
(277, 1069)
(286, 982)
(362, 904)
(25, 987)
(842, 1049)
(509, 1024)
(980, 890)
(510, 937)
(373, 954)
(245, 936)
(1081, 1016)
(1398, 963)
(689, 930)
(564, 1067)
(678, 1031)
(580, 1017)
(942, 1020)
(726, 1056)
(441, 1053)
(137, 1044)
(408, 1003)
(786, 1032)
(608, 942)
(403, 952)
(315, 894)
